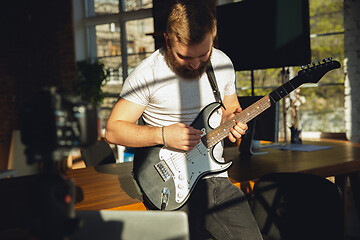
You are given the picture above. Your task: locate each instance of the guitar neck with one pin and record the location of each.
(285, 89)
(222, 131)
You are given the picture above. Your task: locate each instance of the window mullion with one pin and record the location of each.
(123, 41)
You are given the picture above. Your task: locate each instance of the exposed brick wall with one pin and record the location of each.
(37, 50)
(352, 66)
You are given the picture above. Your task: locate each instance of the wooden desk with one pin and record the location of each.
(342, 158)
(111, 186)
(107, 186)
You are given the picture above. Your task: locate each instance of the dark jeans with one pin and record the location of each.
(217, 209)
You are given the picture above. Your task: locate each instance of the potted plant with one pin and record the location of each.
(90, 78)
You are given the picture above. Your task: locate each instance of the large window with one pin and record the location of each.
(117, 35)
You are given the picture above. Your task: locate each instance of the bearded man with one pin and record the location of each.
(168, 90)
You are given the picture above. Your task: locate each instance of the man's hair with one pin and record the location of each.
(189, 21)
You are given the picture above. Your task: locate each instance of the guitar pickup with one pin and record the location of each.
(163, 170)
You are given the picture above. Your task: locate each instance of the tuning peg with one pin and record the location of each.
(302, 67)
(324, 60)
(330, 59)
(319, 63)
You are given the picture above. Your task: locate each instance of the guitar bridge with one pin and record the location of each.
(163, 170)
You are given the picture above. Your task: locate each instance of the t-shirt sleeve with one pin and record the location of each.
(135, 88)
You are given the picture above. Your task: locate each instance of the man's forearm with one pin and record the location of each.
(132, 135)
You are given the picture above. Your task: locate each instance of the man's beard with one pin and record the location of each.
(183, 71)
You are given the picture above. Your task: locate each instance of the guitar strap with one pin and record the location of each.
(214, 86)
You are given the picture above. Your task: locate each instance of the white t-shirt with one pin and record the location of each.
(171, 99)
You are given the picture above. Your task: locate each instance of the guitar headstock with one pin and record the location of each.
(312, 73)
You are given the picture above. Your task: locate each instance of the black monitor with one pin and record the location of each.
(260, 34)
(263, 127)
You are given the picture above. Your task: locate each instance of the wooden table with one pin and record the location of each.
(342, 158)
(111, 186)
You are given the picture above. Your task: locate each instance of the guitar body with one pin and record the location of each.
(158, 168)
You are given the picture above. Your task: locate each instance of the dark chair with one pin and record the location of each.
(98, 154)
(298, 206)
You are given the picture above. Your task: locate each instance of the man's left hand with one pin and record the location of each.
(239, 129)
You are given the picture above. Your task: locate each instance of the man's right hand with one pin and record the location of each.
(181, 136)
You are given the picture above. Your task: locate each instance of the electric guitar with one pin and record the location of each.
(167, 176)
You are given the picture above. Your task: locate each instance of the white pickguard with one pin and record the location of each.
(186, 167)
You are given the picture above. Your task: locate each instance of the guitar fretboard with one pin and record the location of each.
(222, 131)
